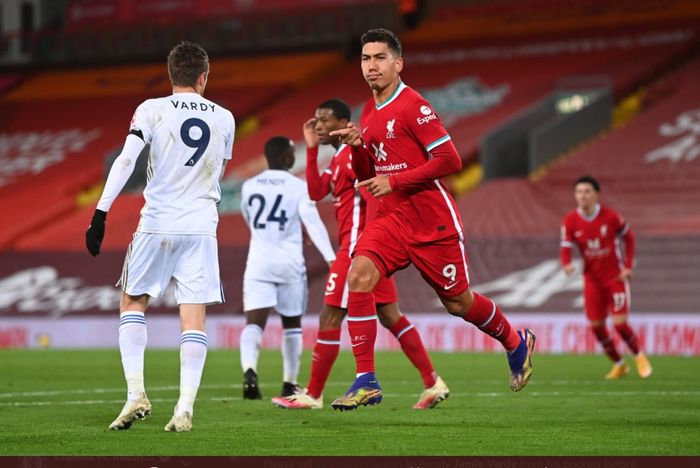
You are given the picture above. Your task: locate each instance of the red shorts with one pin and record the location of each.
(600, 299)
(442, 263)
(337, 285)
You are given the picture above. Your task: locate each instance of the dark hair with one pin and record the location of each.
(186, 61)
(275, 150)
(385, 36)
(339, 107)
(587, 179)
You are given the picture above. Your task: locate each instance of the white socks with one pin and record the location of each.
(193, 353)
(291, 354)
(132, 344)
(251, 338)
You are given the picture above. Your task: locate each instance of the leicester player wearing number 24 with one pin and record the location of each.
(275, 204)
(190, 140)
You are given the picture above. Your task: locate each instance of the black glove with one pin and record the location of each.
(95, 233)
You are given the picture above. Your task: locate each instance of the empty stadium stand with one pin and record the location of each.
(455, 20)
(478, 86)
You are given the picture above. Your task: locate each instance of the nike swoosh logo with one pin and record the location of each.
(364, 130)
(450, 286)
(357, 344)
(329, 293)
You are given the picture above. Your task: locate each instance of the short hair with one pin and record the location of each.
(588, 179)
(275, 149)
(186, 62)
(385, 36)
(340, 108)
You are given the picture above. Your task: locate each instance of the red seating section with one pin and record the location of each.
(62, 125)
(528, 71)
(657, 194)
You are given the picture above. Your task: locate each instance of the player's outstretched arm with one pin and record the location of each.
(315, 229)
(119, 174)
(349, 135)
(360, 156)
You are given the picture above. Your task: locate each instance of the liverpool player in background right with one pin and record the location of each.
(597, 230)
(399, 153)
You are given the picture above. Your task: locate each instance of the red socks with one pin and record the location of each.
(601, 333)
(362, 325)
(628, 335)
(326, 351)
(487, 316)
(413, 348)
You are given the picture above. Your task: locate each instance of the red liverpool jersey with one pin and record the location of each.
(399, 135)
(339, 179)
(598, 238)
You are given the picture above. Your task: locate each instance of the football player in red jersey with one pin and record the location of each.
(399, 153)
(352, 209)
(596, 230)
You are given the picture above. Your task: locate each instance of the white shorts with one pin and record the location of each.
(191, 261)
(288, 299)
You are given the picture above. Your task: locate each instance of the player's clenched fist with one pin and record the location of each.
(95, 233)
(349, 136)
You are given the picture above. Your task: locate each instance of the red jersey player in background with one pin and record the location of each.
(351, 212)
(400, 154)
(597, 230)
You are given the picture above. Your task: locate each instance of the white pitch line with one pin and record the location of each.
(388, 395)
(88, 391)
(110, 390)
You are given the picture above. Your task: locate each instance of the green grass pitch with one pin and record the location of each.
(60, 403)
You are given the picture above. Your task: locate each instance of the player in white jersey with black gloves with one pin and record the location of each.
(275, 204)
(190, 141)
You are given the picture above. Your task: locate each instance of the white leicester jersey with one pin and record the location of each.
(190, 138)
(274, 204)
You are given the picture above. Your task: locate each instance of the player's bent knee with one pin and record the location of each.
(363, 275)
(128, 302)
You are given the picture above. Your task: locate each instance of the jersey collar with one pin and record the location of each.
(593, 216)
(340, 149)
(393, 96)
